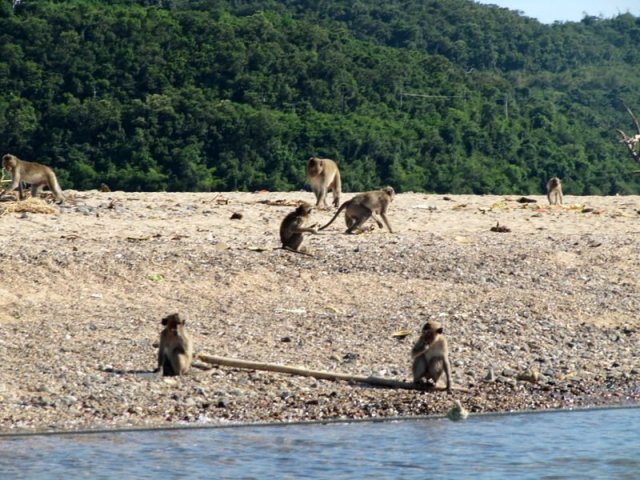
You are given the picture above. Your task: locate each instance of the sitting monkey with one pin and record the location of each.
(176, 350)
(430, 355)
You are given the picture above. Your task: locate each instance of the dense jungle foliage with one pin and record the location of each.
(425, 95)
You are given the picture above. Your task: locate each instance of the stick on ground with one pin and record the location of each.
(272, 367)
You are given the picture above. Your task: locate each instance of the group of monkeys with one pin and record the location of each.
(430, 354)
(323, 176)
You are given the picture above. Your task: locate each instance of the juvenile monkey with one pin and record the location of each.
(175, 352)
(430, 355)
(554, 191)
(294, 226)
(35, 174)
(365, 205)
(323, 175)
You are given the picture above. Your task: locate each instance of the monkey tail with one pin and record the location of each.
(55, 187)
(342, 207)
(293, 251)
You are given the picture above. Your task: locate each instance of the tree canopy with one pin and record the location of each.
(424, 95)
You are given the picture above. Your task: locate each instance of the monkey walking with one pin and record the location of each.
(554, 191)
(430, 355)
(323, 175)
(293, 226)
(364, 206)
(175, 352)
(35, 174)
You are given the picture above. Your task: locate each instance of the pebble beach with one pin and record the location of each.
(540, 313)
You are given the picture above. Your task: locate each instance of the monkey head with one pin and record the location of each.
(314, 166)
(173, 322)
(304, 209)
(9, 162)
(430, 330)
(389, 191)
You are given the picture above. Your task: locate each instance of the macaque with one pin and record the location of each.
(323, 175)
(363, 206)
(430, 355)
(35, 174)
(175, 352)
(554, 191)
(294, 226)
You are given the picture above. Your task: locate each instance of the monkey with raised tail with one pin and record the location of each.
(364, 206)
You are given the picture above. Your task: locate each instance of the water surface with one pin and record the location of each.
(591, 444)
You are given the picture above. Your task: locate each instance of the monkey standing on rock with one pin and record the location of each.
(323, 175)
(430, 355)
(35, 174)
(175, 352)
(363, 206)
(294, 226)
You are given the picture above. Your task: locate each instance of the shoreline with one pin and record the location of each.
(83, 293)
(190, 426)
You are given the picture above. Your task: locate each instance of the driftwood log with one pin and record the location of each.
(632, 141)
(272, 367)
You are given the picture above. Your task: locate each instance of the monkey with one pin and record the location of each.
(175, 352)
(294, 225)
(365, 205)
(430, 355)
(35, 174)
(554, 191)
(323, 175)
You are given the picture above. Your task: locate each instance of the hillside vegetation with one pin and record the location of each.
(427, 95)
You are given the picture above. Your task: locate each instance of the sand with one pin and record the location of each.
(550, 307)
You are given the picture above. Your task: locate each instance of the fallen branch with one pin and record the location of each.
(272, 367)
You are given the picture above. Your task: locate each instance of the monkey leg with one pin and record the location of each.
(167, 368)
(295, 241)
(435, 369)
(378, 221)
(359, 221)
(35, 190)
(419, 368)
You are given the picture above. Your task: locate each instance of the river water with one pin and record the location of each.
(587, 444)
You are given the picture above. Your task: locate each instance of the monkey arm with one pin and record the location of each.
(386, 221)
(419, 348)
(15, 179)
(160, 357)
(300, 228)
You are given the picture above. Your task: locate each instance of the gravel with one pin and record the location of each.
(544, 316)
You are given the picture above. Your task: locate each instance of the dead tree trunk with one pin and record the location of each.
(271, 367)
(632, 141)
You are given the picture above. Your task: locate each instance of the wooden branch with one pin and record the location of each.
(272, 367)
(635, 119)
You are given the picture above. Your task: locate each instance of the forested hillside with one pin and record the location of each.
(425, 95)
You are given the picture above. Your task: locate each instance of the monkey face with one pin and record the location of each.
(172, 321)
(304, 208)
(430, 330)
(8, 162)
(313, 167)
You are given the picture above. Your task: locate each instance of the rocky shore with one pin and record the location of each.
(542, 315)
